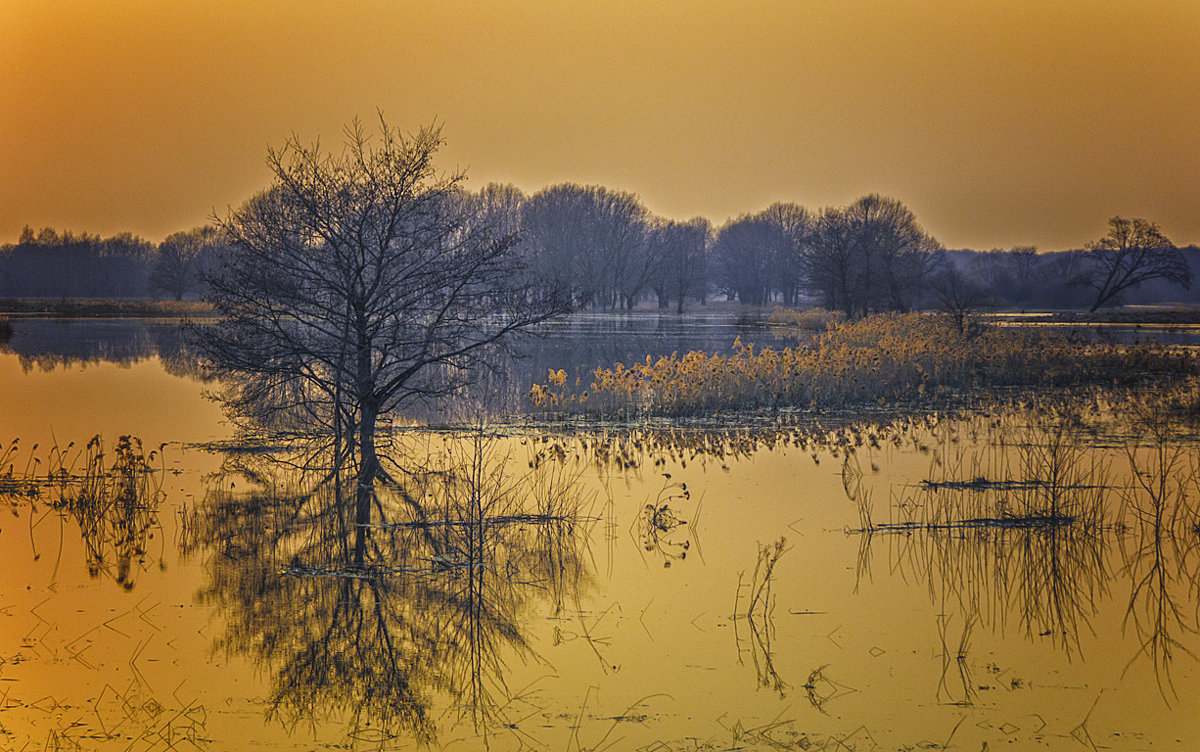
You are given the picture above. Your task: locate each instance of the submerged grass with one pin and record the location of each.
(881, 359)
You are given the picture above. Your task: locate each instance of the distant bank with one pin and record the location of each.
(100, 308)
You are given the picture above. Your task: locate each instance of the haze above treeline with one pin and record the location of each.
(999, 124)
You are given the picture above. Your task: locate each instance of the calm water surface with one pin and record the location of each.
(661, 590)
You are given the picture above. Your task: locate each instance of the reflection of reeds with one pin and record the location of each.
(959, 660)
(659, 524)
(115, 504)
(1013, 519)
(758, 614)
(1050, 579)
(1023, 513)
(1051, 480)
(1161, 552)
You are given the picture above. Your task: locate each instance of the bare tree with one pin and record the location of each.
(796, 224)
(896, 255)
(829, 266)
(359, 282)
(958, 295)
(182, 258)
(682, 253)
(1134, 251)
(592, 239)
(1025, 262)
(499, 206)
(744, 252)
(871, 255)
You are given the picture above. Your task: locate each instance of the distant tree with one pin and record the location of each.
(124, 265)
(1134, 251)
(993, 271)
(796, 225)
(829, 267)
(1024, 259)
(499, 206)
(359, 283)
(49, 263)
(182, 258)
(744, 252)
(958, 295)
(682, 260)
(895, 255)
(870, 256)
(591, 241)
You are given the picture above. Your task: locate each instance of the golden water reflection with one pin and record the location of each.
(950, 581)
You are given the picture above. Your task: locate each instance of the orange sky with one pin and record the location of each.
(999, 122)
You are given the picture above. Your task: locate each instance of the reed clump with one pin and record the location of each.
(807, 320)
(880, 359)
(6, 330)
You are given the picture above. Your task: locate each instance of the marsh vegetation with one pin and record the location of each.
(905, 359)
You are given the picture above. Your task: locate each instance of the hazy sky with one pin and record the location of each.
(998, 122)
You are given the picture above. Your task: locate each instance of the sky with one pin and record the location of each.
(998, 122)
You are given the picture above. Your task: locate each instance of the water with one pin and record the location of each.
(654, 589)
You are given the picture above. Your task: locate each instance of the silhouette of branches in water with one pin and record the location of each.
(1161, 551)
(1024, 516)
(467, 544)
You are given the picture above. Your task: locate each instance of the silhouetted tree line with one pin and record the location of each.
(602, 249)
(50, 264)
(1022, 278)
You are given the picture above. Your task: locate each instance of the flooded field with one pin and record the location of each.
(1024, 578)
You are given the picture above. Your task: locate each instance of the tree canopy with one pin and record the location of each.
(1134, 251)
(360, 281)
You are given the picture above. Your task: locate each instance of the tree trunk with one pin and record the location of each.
(368, 461)
(368, 470)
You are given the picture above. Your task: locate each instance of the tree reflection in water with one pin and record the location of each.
(1161, 551)
(468, 547)
(1044, 547)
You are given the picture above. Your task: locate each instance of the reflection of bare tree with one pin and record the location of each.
(1050, 578)
(434, 610)
(1160, 553)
